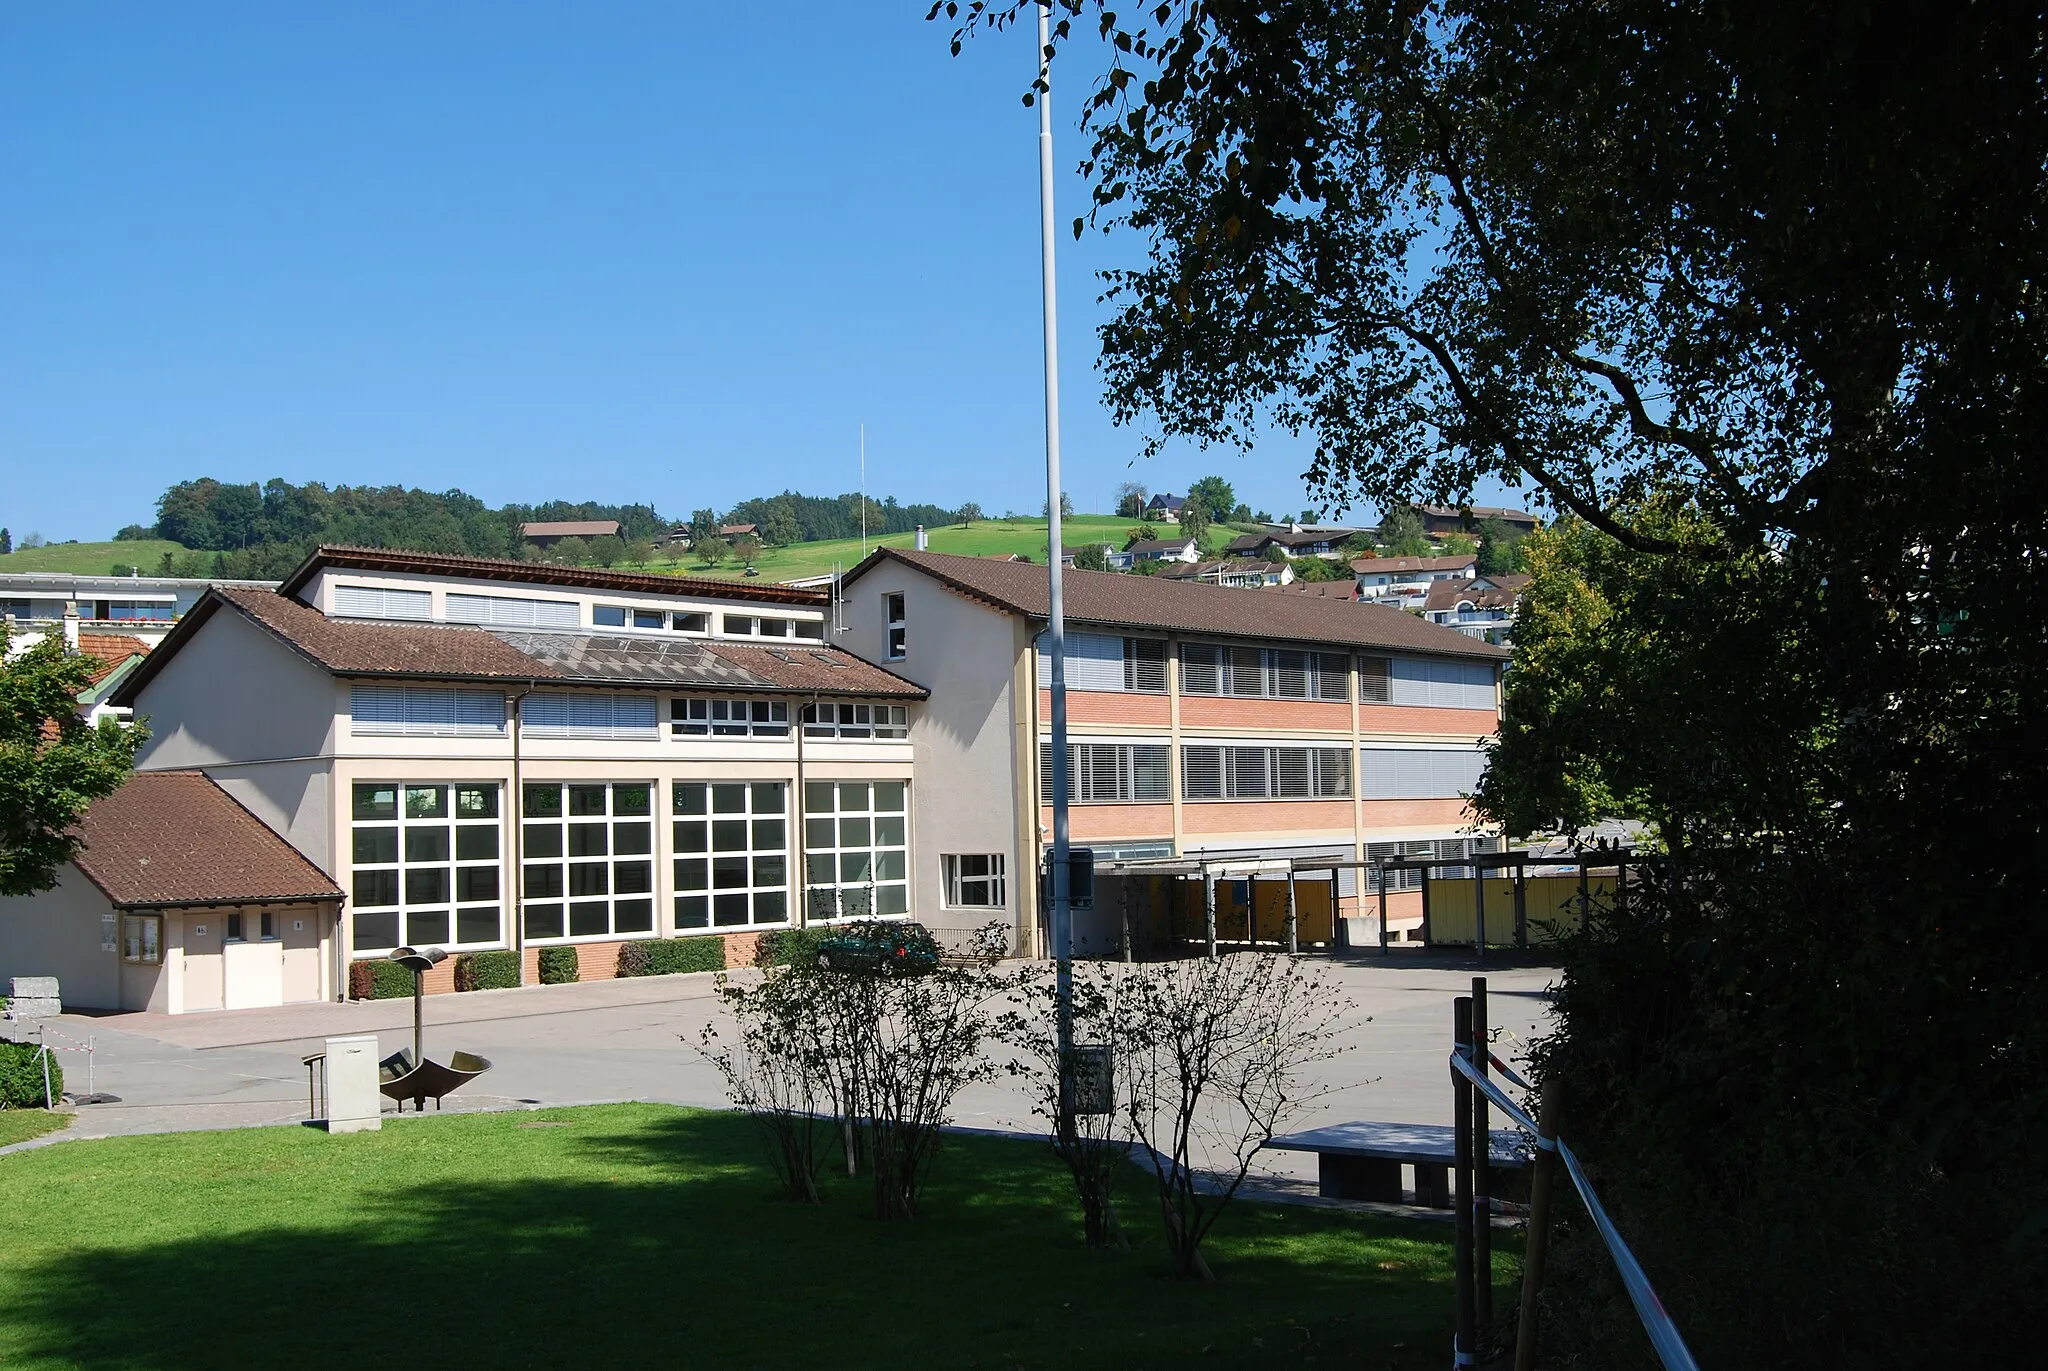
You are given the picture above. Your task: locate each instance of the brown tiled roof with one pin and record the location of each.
(109, 652)
(1288, 537)
(1329, 590)
(540, 573)
(170, 838)
(1367, 565)
(1107, 597)
(570, 528)
(1144, 545)
(827, 670)
(1492, 592)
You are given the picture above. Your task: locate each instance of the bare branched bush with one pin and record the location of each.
(1090, 1132)
(776, 1073)
(1215, 1060)
(875, 1060)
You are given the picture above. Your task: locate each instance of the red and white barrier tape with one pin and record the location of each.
(1664, 1334)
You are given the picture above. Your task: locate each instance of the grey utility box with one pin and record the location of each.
(354, 1102)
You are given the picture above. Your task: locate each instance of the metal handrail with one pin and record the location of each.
(315, 1111)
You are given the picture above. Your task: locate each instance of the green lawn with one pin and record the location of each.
(19, 1125)
(989, 538)
(92, 559)
(640, 1235)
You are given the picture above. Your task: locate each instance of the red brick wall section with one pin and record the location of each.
(1135, 822)
(594, 961)
(1414, 814)
(1418, 719)
(440, 980)
(1205, 711)
(1252, 817)
(1109, 707)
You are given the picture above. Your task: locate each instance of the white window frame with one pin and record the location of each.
(723, 829)
(142, 939)
(896, 625)
(623, 909)
(856, 719)
(845, 877)
(990, 881)
(473, 833)
(706, 718)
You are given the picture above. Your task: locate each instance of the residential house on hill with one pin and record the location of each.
(1483, 607)
(1238, 572)
(1404, 581)
(1438, 520)
(1166, 507)
(1186, 550)
(1291, 541)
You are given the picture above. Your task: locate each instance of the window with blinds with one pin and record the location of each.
(1440, 773)
(1109, 773)
(589, 715)
(376, 602)
(1104, 661)
(1263, 673)
(425, 712)
(1375, 675)
(1440, 684)
(1220, 772)
(511, 611)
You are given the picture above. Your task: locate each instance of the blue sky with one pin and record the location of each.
(673, 253)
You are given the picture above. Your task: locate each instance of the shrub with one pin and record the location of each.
(21, 1077)
(671, 956)
(377, 979)
(789, 946)
(558, 966)
(487, 971)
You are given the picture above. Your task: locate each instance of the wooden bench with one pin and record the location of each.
(1363, 1161)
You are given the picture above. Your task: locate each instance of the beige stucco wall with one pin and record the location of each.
(58, 933)
(963, 737)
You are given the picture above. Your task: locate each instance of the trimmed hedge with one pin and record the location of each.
(377, 979)
(790, 946)
(21, 1077)
(487, 971)
(558, 966)
(671, 956)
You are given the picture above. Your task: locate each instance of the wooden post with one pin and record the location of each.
(1209, 908)
(1522, 905)
(1482, 1164)
(1538, 1249)
(1293, 930)
(1461, 1167)
(1478, 908)
(1383, 910)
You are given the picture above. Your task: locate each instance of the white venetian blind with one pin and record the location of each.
(425, 712)
(1095, 661)
(508, 611)
(377, 602)
(589, 714)
(1442, 684)
(1435, 773)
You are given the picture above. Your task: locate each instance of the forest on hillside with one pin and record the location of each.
(263, 531)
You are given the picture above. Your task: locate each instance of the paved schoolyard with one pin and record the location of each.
(630, 1040)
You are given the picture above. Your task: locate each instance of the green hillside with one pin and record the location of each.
(987, 538)
(93, 559)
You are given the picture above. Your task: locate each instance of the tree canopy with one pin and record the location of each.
(52, 763)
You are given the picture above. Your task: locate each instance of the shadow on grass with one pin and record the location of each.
(638, 1235)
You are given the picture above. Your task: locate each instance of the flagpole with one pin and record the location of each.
(1062, 907)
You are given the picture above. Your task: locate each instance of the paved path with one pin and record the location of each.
(629, 1040)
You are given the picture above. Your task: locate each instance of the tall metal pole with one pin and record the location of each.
(1465, 1349)
(1062, 909)
(863, 492)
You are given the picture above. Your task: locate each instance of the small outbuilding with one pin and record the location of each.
(180, 900)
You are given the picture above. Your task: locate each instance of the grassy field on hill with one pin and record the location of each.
(91, 559)
(987, 538)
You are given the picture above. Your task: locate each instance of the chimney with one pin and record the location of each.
(71, 625)
(921, 540)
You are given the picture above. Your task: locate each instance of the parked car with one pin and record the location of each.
(891, 947)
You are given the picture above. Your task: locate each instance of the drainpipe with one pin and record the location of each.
(517, 802)
(798, 843)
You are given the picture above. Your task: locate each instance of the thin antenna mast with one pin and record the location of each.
(863, 491)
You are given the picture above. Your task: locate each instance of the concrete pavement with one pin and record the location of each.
(631, 1040)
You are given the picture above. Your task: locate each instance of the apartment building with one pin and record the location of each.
(1205, 723)
(1404, 582)
(39, 603)
(488, 755)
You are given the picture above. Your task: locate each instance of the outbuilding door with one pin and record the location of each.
(254, 961)
(202, 965)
